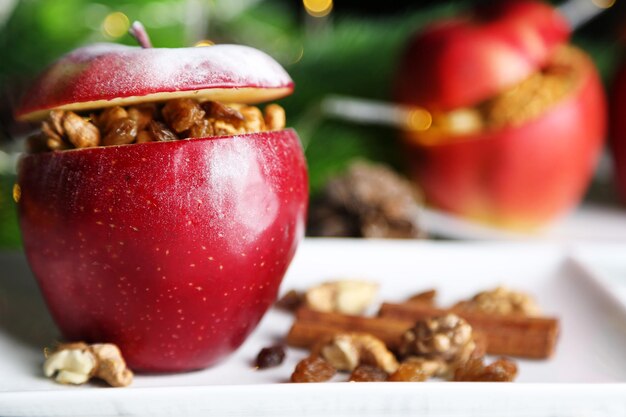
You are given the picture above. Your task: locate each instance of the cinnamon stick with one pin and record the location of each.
(312, 326)
(511, 335)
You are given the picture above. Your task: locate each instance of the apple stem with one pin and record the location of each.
(579, 12)
(138, 32)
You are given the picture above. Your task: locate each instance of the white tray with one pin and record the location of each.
(586, 377)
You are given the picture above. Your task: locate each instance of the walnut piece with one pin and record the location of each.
(80, 132)
(345, 296)
(501, 301)
(346, 351)
(447, 339)
(275, 118)
(76, 363)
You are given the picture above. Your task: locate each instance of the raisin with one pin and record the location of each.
(368, 373)
(220, 111)
(291, 301)
(160, 132)
(313, 369)
(502, 370)
(181, 114)
(121, 132)
(409, 372)
(270, 357)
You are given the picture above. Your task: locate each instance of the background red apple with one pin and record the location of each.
(518, 175)
(171, 250)
(618, 129)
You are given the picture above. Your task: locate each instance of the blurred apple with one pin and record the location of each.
(517, 116)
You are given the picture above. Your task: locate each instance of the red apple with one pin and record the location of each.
(171, 250)
(516, 175)
(618, 129)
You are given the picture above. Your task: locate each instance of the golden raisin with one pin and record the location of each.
(144, 136)
(313, 369)
(368, 373)
(160, 132)
(409, 372)
(222, 112)
(202, 129)
(182, 113)
(502, 370)
(142, 114)
(121, 132)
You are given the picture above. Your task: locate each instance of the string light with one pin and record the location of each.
(115, 25)
(318, 8)
(204, 42)
(603, 4)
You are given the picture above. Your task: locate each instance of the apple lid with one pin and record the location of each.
(461, 62)
(103, 75)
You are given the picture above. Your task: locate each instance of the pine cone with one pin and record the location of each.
(369, 200)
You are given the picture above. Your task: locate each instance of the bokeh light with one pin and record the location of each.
(318, 8)
(603, 4)
(115, 25)
(204, 42)
(419, 119)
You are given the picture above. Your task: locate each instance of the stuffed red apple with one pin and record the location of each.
(162, 209)
(518, 115)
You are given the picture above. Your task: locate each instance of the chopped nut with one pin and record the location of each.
(346, 351)
(111, 366)
(144, 136)
(56, 119)
(80, 132)
(76, 363)
(501, 301)
(182, 113)
(223, 128)
(447, 338)
(121, 132)
(160, 132)
(346, 296)
(368, 373)
(142, 114)
(275, 118)
(50, 132)
(253, 119)
(202, 129)
(270, 356)
(502, 370)
(70, 364)
(313, 369)
(108, 117)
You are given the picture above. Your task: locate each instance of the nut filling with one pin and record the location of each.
(173, 120)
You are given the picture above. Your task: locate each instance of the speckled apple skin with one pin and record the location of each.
(173, 250)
